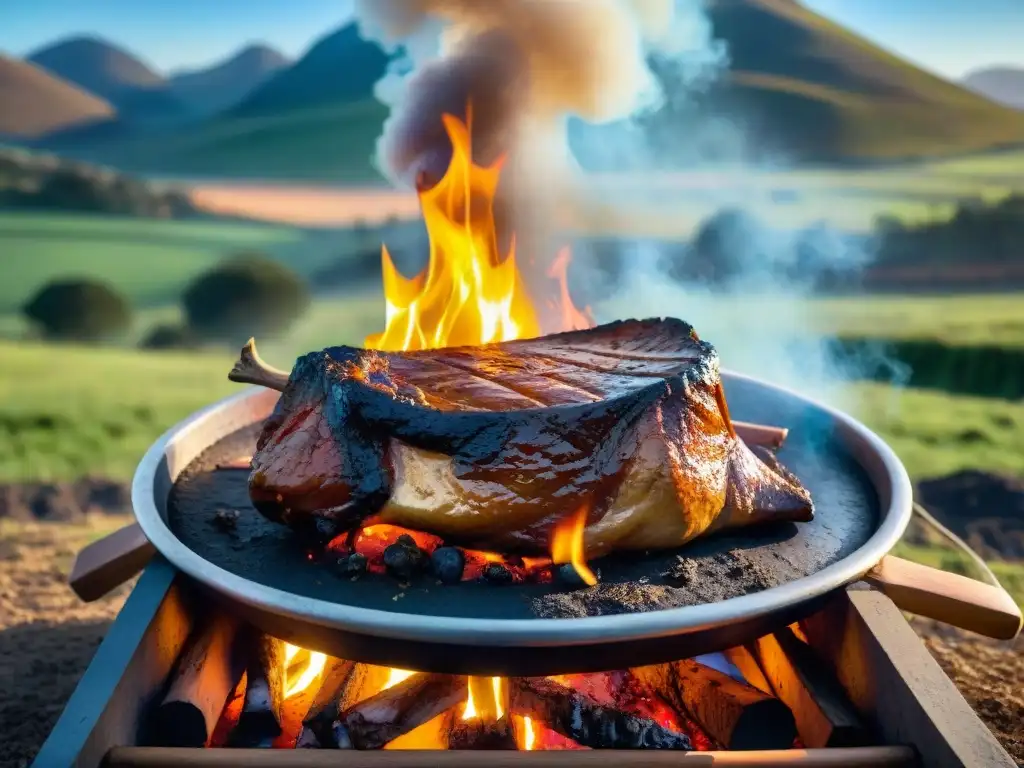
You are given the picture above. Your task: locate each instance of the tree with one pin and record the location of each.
(169, 336)
(247, 295)
(730, 243)
(79, 310)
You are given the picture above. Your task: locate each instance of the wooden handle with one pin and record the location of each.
(109, 562)
(947, 597)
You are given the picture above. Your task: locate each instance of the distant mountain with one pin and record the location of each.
(810, 89)
(341, 67)
(35, 102)
(802, 89)
(225, 84)
(1002, 84)
(101, 68)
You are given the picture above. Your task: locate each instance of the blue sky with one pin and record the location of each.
(947, 36)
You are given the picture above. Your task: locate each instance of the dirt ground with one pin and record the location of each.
(47, 638)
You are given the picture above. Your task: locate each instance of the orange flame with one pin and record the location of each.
(572, 319)
(567, 544)
(468, 294)
(528, 738)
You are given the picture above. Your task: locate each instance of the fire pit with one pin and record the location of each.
(178, 681)
(245, 645)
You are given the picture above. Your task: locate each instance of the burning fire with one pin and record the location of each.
(567, 544)
(469, 294)
(315, 664)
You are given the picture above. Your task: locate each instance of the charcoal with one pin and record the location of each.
(403, 559)
(496, 573)
(351, 566)
(448, 564)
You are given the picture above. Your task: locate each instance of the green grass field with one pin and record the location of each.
(149, 260)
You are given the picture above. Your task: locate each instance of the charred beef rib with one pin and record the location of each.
(490, 446)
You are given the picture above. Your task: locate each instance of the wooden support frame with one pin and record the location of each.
(127, 674)
(897, 686)
(885, 670)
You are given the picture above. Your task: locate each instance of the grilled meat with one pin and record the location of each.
(490, 446)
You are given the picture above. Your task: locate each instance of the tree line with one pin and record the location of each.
(244, 295)
(45, 182)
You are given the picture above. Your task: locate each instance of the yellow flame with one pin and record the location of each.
(567, 544)
(529, 737)
(317, 662)
(469, 293)
(395, 676)
(491, 709)
(290, 652)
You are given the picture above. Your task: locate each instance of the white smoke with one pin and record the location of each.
(529, 67)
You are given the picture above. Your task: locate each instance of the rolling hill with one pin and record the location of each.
(225, 84)
(340, 67)
(813, 90)
(804, 89)
(1001, 84)
(35, 102)
(101, 68)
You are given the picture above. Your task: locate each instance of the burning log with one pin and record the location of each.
(824, 715)
(208, 671)
(433, 735)
(316, 725)
(744, 661)
(374, 722)
(260, 721)
(480, 735)
(579, 718)
(735, 714)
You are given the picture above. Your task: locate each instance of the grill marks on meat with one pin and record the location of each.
(490, 446)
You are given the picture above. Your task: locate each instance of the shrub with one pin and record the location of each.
(78, 310)
(169, 336)
(247, 295)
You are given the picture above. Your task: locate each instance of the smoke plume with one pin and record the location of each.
(530, 69)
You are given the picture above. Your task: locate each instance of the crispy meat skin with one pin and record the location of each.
(489, 446)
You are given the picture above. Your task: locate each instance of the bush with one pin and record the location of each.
(724, 247)
(247, 295)
(79, 310)
(169, 336)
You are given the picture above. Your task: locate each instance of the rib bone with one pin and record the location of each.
(251, 369)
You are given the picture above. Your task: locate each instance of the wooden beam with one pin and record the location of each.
(824, 715)
(870, 757)
(896, 685)
(130, 668)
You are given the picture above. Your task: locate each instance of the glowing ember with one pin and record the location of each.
(567, 544)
